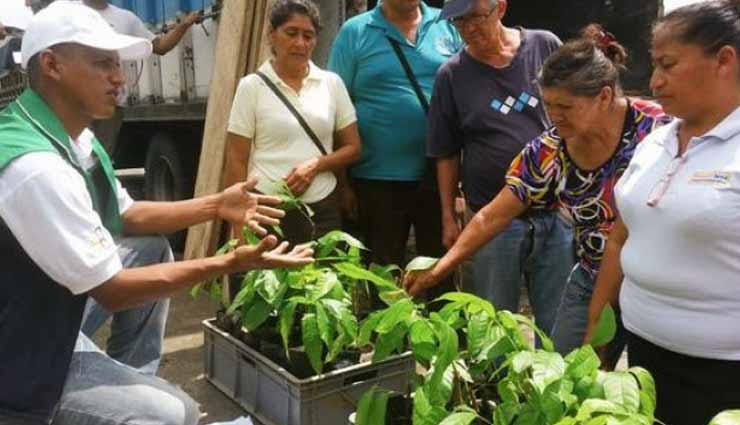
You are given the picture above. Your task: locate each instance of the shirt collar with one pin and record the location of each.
(38, 112)
(727, 128)
(314, 72)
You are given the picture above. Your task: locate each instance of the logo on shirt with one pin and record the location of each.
(524, 100)
(99, 241)
(445, 45)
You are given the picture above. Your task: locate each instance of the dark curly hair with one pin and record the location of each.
(587, 64)
(283, 10)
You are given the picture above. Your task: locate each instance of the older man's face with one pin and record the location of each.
(477, 27)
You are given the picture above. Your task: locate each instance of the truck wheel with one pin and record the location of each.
(166, 177)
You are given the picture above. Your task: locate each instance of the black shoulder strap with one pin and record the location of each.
(410, 74)
(295, 113)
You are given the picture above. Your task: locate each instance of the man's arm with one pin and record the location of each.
(448, 174)
(166, 42)
(235, 205)
(133, 287)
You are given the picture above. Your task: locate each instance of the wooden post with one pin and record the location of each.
(239, 40)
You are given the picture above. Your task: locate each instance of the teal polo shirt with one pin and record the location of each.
(391, 120)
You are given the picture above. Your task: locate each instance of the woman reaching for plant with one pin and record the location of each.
(292, 122)
(573, 165)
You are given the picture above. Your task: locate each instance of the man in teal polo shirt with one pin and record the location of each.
(389, 179)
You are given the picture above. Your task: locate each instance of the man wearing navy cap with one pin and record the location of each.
(485, 108)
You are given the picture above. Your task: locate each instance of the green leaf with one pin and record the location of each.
(459, 418)
(546, 368)
(647, 391)
(421, 263)
(448, 345)
(245, 296)
(424, 413)
(505, 413)
(389, 342)
(395, 314)
(469, 300)
(354, 271)
(478, 326)
(325, 330)
(592, 406)
(606, 327)
(551, 402)
(582, 362)
(423, 343)
(312, 341)
(372, 407)
(728, 417)
(368, 327)
(286, 317)
(546, 341)
(392, 297)
(338, 345)
(622, 388)
(522, 361)
(255, 314)
(269, 286)
(326, 244)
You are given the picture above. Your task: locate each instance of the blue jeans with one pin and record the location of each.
(572, 318)
(535, 251)
(136, 334)
(102, 391)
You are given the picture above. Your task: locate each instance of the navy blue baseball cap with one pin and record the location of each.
(456, 8)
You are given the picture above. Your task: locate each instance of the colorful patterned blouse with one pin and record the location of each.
(543, 176)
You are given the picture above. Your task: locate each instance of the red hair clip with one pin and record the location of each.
(605, 39)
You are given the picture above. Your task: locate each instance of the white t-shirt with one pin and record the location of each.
(46, 205)
(125, 22)
(278, 141)
(681, 262)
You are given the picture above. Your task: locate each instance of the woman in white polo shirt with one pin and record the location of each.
(266, 139)
(679, 238)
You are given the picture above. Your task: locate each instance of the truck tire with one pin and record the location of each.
(167, 178)
(165, 175)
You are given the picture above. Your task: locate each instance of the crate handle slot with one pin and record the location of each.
(361, 377)
(246, 359)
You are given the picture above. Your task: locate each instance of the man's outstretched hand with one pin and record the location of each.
(268, 254)
(240, 207)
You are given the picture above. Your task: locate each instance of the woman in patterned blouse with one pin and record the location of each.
(573, 166)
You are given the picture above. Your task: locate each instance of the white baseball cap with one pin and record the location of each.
(65, 21)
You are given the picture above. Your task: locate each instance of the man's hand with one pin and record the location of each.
(302, 175)
(450, 231)
(239, 207)
(3, 32)
(190, 19)
(416, 282)
(269, 255)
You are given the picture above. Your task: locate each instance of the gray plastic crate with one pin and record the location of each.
(275, 397)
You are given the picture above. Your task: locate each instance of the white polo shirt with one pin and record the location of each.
(681, 262)
(279, 143)
(46, 205)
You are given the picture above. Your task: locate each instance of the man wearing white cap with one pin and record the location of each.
(61, 206)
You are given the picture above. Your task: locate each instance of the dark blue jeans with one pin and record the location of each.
(536, 251)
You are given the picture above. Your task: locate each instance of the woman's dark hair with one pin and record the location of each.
(709, 24)
(587, 64)
(283, 10)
